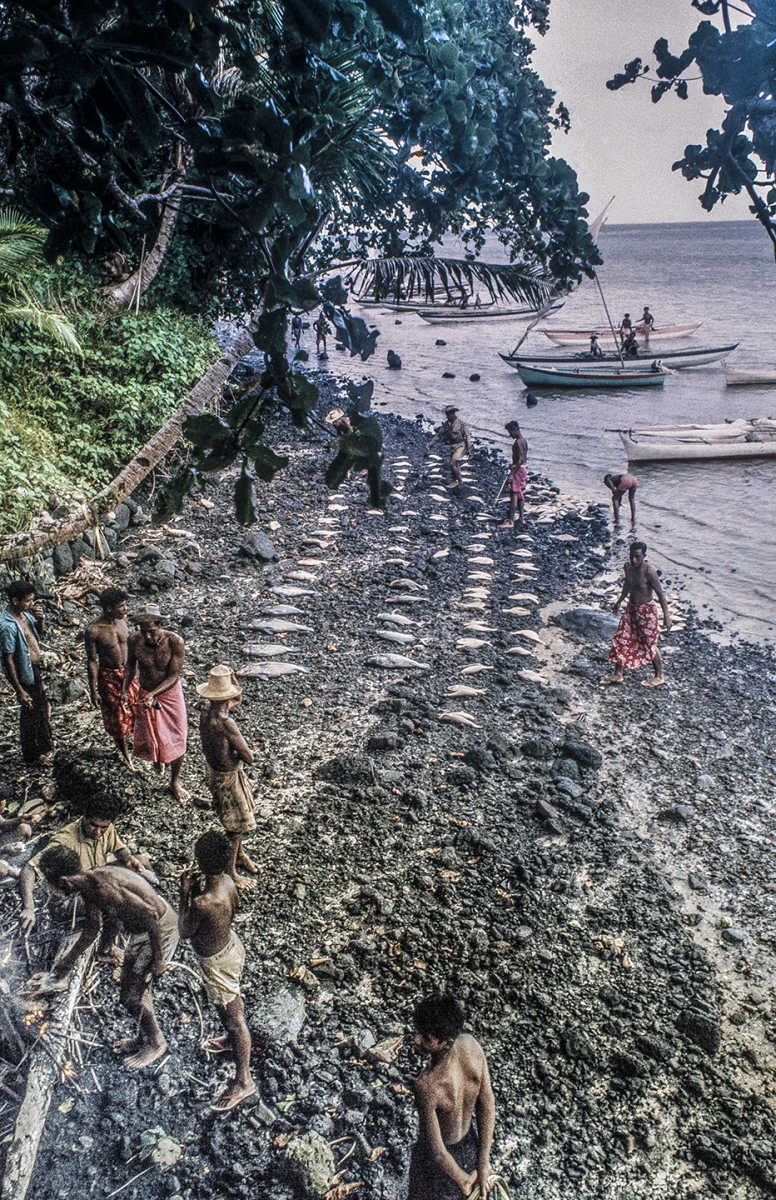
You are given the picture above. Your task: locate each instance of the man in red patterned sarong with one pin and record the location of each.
(635, 642)
(106, 655)
(161, 722)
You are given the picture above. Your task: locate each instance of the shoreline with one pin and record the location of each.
(532, 863)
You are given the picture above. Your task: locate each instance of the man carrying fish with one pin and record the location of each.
(635, 642)
(225, 751)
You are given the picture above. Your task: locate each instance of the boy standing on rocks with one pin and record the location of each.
(635, 642)
(207, 908)
(225, 751)
(451, 1154)
(106, 656)
(518, 475)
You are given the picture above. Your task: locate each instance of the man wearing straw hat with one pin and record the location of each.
(225, 751)
(161, 724)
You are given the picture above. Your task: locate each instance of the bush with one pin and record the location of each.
(70, 423)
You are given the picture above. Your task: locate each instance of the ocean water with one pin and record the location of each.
(708, 526)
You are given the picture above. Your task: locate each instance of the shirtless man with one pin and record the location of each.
(106, 656)
(208, 903)
(450, 1155)
(225, 751)
(119, 899)
(618, 485)
(518, 475)
(161, 724)
(635, 642)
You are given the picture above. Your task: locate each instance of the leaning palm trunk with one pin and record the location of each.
(122, 295)
(23, 545)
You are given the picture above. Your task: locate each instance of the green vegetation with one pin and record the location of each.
(71, 422)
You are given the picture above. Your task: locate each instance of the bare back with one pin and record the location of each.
(222, 743)
(212, 914)
(106, 640)
(124, 896)
(449, 1091)
(519, 451)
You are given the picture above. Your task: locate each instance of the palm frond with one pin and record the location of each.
(20, 240)
(427, 276)
(52, 324)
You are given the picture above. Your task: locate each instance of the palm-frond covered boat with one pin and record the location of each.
(675, 359)
(659, 333)
(610, 376)
(754, 438)
(424, 280)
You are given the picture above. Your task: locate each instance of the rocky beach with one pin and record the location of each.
(447, 799)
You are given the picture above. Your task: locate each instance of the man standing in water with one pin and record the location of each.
(117, 899)
(161, 723)
(635, 642)
(20, 626)
(225, 751)
(618, 485)
(207, 907)
(451, 1154)
(518, 475)
(106, 656)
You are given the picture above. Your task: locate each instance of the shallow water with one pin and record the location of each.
(708, 526)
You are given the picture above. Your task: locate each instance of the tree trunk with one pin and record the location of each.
(46, 1062)
(121, 295)
(30, 542)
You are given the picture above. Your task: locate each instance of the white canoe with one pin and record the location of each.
(612, 376)
(754, 438)
(675, 359)
(660, 333)
(483, 315)
(740, 378)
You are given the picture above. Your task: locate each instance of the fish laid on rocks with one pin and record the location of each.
(459, 718)
(471, 643)
(530, 635)
(482, 560)
(394, 635)
(278, 625)
(281, 610)
(533, 676)
(267, 649)
(396, 662)
(517, 611)
(480, 627)
(292, 590)
(524, 596)
(303, 576)
(441, 554)
(407, 599)
(273, 670)
(474, 669)
(521, 650)
(462, 689)
(309, 562)
(395, 618)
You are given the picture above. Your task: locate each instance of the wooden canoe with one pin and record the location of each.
(612, 376)
(735, 377)
(755, 438)
(660, 333)
(483, 315)
(675, 359)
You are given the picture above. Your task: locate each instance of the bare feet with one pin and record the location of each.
(128, 763)
(180, 793)
(507, 525)
(126, 1046)
(612, 680)
(145, 1056)
(658, 681)
(245, 885)
(113, 956)
(246, 863)
(451, 486)
(234, 1095)
(217, 1045)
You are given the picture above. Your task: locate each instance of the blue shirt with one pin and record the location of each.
(13, 642)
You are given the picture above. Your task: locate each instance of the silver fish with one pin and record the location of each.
(281, 610)
(273, 670)
(529, 634)
(459, 718)
(292, 590)
(480, 627)
(532, 676)
(409, 585)
(395, 662)
(479, 575)
(521, 650)
(463, 689)
(474, 669)
(393, 635)
(277, 625)
(395, 618)
(303, 576)
(530, 596)
(267, 649)
(309, 562)
(441, 554)
(517, 611)
(471, 643)
(407, 599)
(482, 560)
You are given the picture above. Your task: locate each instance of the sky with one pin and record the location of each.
(620, 143)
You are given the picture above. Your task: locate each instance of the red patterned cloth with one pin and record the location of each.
(160, 733)
(635, 642)
(118, 721)
(518, 478)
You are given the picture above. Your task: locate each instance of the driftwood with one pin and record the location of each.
(46, 1061)
(30, 542)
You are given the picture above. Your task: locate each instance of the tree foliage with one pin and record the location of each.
(739, 64)
(296, 134)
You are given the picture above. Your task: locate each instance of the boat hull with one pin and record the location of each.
(483, 315)
(701, 443)
(677, 360)
(740, 378)
(580, 337)
(576, 378)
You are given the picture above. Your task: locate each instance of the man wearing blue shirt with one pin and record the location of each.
(20, 625)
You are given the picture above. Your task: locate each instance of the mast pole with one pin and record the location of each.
(617, 346)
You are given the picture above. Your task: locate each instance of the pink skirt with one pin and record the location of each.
(160, 733)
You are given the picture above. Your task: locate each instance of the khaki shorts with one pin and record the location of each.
(221, 972)
(458, 453)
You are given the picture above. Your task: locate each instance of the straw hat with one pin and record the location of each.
(221, 684)
(451, 408)
(151, 612)
(334, 414)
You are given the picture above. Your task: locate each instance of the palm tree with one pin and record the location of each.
(21, 246)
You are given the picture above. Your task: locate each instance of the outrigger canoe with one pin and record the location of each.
(591, 377)
(484, 315)
(675, 359)
(755, 438)
(575, 337)
(741, 378)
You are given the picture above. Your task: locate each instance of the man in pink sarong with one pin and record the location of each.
(635, 642)
(161, 721)
(518, 476)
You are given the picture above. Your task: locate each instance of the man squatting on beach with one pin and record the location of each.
(225, 751)
(117, 899)
(208, 902)
(106, 641)
(161, 724)
(518, 475)
(452, 1153)
(635, 642)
